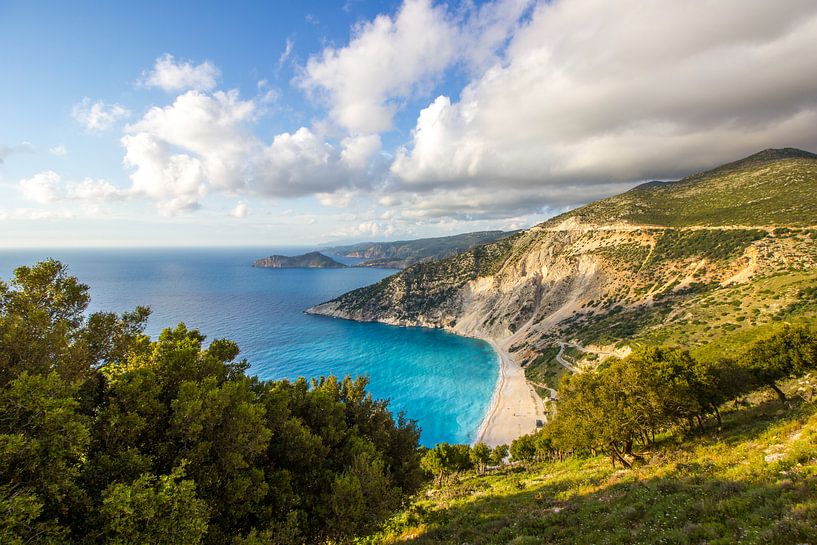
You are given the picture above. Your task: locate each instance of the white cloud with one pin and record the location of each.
(94, 191)
(390, 59)
(385, 59)
(203, 143)
(47, 187)
(59, 150)
(241, 210)
(592, 92)
(338, 199)
(369, 229)
(171, 76)
(42, 188)
(290, 44)
(98, 116)
(359, 151)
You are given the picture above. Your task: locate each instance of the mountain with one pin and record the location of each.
(311, 260)
(404, 253)
(697, 262)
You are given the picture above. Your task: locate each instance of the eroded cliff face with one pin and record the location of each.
(622, 268)
(553, 282)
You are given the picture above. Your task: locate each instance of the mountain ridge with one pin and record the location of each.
(614, 272)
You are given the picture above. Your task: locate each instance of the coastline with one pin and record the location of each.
(515, 406)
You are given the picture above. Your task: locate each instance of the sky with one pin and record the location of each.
(305, 123)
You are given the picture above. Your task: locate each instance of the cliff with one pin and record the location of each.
(311, 260)
(689, 262)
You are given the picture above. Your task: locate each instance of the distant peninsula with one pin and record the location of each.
(404, 253)
(311, 260)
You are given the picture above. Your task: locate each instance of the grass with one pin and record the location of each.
(754, 482)
(775, 187)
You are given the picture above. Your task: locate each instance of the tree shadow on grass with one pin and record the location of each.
(622, 510)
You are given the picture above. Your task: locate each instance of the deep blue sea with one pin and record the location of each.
(443, 381)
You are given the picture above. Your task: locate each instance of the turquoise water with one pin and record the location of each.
(441, 380)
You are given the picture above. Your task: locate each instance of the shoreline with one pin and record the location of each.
(514, 407)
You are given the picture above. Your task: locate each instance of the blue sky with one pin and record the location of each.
(160, 123)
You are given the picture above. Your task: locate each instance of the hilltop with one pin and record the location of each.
(706, 262)
(311, 260)
(404, 253)
(772, 187)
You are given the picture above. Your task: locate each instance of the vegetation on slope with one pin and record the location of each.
(425, 288)
(773, 187)
(694, 475)
(754, 481)
(660, 243)
(109, 437)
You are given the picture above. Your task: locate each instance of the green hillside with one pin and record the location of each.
(755, 481)
(773, 187)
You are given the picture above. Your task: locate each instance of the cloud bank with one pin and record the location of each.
(561, 102)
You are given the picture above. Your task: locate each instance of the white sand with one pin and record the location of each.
(515, 406)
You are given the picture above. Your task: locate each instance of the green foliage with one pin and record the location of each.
(150, 510)
(107, 436)
(480, 456)
(790, 352)
(717, 488)
(444, 459)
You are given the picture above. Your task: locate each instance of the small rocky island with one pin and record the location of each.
(311, 260)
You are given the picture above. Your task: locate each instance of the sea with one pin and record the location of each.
(443, 381)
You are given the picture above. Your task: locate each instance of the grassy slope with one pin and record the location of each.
(755, 482)
(773, 187)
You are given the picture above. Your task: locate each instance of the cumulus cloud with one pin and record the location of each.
(170, 75)
(389, 58)
(204, 143)
(591, 93)
(42, 188)
(386, 58)
(48, 187)
(98, 116)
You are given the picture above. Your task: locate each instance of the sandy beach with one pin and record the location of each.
(515, 406)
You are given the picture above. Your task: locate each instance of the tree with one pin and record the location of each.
(480, 456)
(107, 435)
(786, 353)
(499, 454)
(154, 510)
(523, 448)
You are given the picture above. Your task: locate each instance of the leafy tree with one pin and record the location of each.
(107, 435)
(786, 353)
(499, 454)
(480, 456)
(523, 448)
(154, 510)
